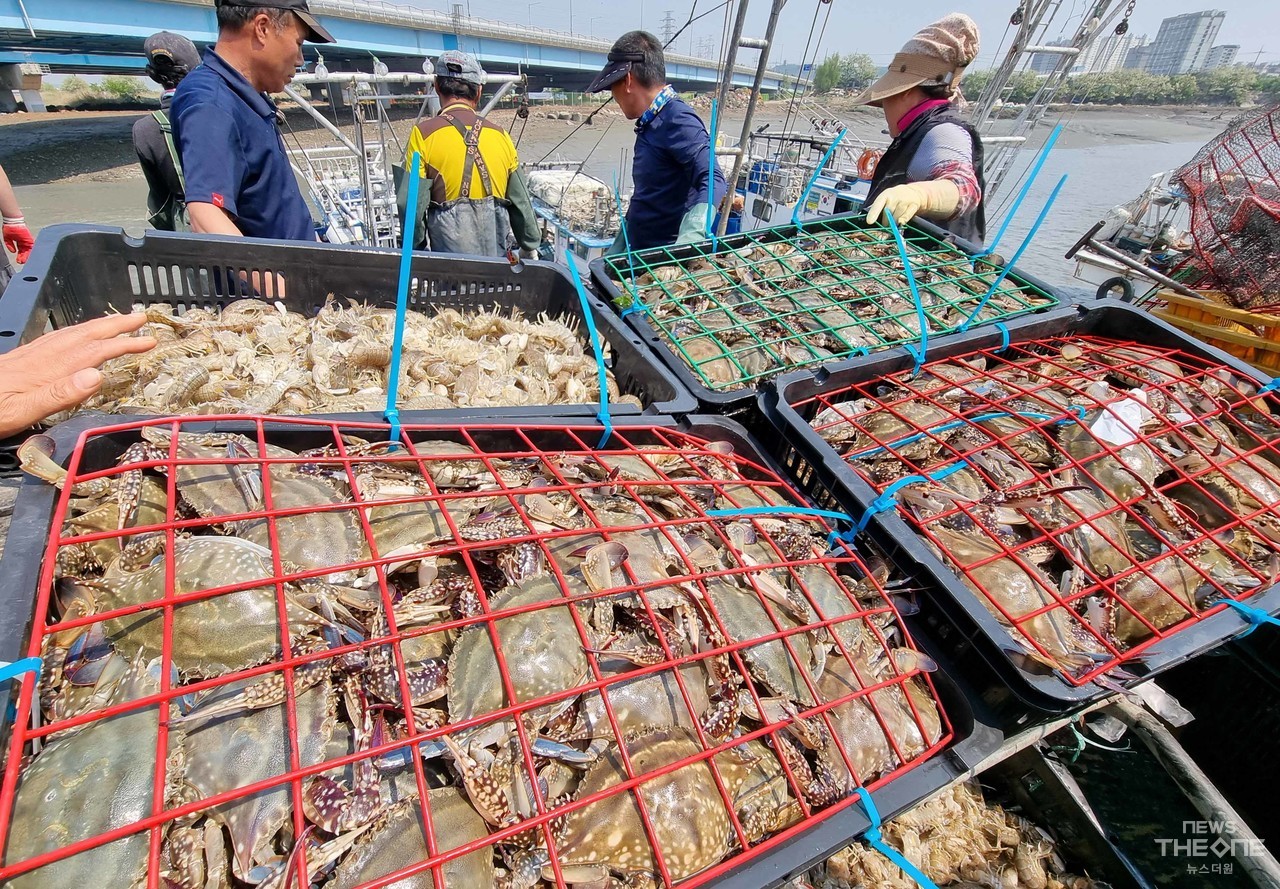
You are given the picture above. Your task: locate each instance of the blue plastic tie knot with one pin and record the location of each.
(1272, 386)
(1255, 617)
(17, 668)
(1004, 336)
(875, 840)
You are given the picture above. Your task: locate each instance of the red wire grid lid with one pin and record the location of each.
(1097, 495)
(485, 653)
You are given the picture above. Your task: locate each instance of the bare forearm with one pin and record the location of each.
(8, 200)
(206, 219)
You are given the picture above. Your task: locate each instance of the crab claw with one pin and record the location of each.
(600, 567)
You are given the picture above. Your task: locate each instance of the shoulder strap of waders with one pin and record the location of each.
(472, 139)
(167, 129)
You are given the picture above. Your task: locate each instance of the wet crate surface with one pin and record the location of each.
(598, 573)
(1089, 495)
(727, 317)
(83, 272)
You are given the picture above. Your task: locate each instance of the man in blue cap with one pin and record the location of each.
(673, 149)
(238, 177)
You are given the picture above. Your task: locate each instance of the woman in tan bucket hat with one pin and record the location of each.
(933, 167)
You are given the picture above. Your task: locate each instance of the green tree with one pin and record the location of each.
(1183, 89)
(974, 83)
(827, 76)
(857, 71)
(123, 88)
(77, 86)
(1233, 85)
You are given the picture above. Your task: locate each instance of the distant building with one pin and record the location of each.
(1221, 56)
(1184, 42)
(1046, 62)
(1108, 54)
(1138, 56)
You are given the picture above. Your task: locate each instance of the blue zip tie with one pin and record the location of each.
(17, 668)
(779, 510)
(1035, 171)
(1076, 414)
(917, 352)
(392, 415)
(603, 414)
(876, 841)
(822, 165)
(1256, 617)
(636, 308)
(711, 181)
(1026, 242)
(888, 499)
(1270, 387)
(1004, 336)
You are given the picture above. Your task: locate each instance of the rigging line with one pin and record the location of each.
(564, 192)
(603, 104)
(795, 90)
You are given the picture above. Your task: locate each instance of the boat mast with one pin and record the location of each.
(762, 66)
(1033, 19)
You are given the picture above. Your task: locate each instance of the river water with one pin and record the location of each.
(1100, 177)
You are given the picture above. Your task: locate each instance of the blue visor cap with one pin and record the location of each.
(618, 67)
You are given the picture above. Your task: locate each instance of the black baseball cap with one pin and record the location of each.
(297, 7)
(618, 66)
(170, 57)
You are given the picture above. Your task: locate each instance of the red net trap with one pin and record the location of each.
(491, 654)
(1099, 496)
(1233, 187)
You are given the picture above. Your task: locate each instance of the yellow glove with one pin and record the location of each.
(936, 198)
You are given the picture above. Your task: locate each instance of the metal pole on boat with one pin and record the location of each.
(731, 57)
(761, 67)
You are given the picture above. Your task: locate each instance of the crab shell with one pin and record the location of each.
(211, 636)
(396, 842)
(542, 650)
(690, 823)
(238, 749)
(84, 784)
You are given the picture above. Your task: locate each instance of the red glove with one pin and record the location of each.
(18, 238)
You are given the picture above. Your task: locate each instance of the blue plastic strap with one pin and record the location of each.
(888, 499)
(822, 165)
(1256, 617)
(1075, 415)
(876, 841)
(636, 308)
(1004, 336)
(1017, 203)
(603, 414)
(17, 668)
(622, 221)
(1270, 387)
(392, 414)
(917, 352)
(1026, 242)
(778, 510)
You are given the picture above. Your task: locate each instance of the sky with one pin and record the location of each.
(877, 29)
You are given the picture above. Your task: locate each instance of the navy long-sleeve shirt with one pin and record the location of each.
(672, 155)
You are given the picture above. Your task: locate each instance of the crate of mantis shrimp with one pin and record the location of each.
(250, 326)
(284, 651)
(1098, 494)
(726, 316)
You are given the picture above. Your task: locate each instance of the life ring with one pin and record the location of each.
(867, 163)
(1108, 287)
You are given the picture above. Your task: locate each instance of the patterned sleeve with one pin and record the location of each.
(947, 153)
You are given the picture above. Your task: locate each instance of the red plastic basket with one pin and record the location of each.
(972, 412)
(489, 491)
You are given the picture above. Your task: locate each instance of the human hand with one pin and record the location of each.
(936, 198)
(59, 370)
(18, 238)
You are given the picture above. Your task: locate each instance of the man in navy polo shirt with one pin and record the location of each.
(238, 177)
(673, 150)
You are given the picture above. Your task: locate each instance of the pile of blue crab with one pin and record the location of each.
(485, 655)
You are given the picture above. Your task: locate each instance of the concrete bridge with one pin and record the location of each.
(105, 36)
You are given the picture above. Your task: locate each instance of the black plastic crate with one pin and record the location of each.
(920, 234)
(974, 737)
(80, 272)
(957, 619)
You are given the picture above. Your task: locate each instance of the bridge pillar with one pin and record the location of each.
(26, 80)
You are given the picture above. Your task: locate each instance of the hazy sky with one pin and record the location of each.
(874, 28)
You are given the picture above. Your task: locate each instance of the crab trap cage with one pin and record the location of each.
(288, 651)
(1098, 494)
(725, 316)
(81, 272)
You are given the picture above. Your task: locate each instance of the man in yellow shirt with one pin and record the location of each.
(475, 197)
